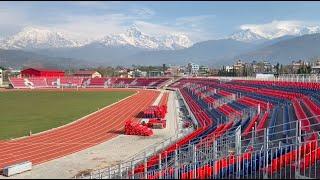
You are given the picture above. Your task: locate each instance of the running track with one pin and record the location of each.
(92, 130)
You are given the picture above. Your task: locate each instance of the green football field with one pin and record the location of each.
(21, 112)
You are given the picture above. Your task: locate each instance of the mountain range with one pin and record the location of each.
(42, 47)
(20, 59)
(34, 38)
(254, 35)
(286, 51)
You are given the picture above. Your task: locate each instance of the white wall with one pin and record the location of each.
(264, 76)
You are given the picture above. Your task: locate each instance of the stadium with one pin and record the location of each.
(222, 127)
(159, 90)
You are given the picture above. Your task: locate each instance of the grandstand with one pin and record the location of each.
(18, 83)
(244, 129)
(74, 81)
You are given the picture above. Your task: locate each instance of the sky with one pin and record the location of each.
(199, 20)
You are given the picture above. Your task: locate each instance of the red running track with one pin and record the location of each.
(90, 131)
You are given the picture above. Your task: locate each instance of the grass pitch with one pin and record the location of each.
(38, 111)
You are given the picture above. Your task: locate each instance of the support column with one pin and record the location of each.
(176, 165)
(265, 149)
(160, 167)
(132, 169)
(120, 171)
(298, 145)
(145, 166)
(194, 161)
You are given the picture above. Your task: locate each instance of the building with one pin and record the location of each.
(228, 68)
(36, 72)
(203, 70)
(262, 67)
(174, 71)
(214, 71)
(128, 75)
(316, 67)
(155, 73)
(239, 65)
(237, 68)
(1, 77)
(87, 74)
(137, 73)
(193, 69)
(296, 65)
(12, 72)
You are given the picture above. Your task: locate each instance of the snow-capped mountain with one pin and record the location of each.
(35, 38)
(256, 33)
(246, 36)
(134, 37)
(294, 31)
(176, 41)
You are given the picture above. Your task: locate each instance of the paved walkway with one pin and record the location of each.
(108, 153)
(157, 101)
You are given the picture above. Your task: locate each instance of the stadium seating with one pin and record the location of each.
(52, 82)
(123, 81)
(251, 125)
(18, 82)
(312, 107)
(301, 115)
(97, 82)
(159, 82)
(272, 100)
(71, 81)
(144, 82)
(38, 82)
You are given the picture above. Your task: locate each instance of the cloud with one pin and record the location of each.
(196, 34)
(93, 20)
(156, 29)
(11, 21)
(278, 28)
(194, 20)
(197, 27)
(143, 12)
(92, 27)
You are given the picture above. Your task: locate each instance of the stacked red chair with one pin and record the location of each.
(133, 128)
(156, 112)
(157, 123)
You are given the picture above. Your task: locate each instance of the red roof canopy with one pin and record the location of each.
(44, 70)
(39, 72)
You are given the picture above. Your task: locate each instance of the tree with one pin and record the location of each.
(304, 69)
(260, 67)
(245, 73)
(277, 67)
(308, 69)
(281, 70)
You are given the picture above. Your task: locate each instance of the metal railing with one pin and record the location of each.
(290, 153)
